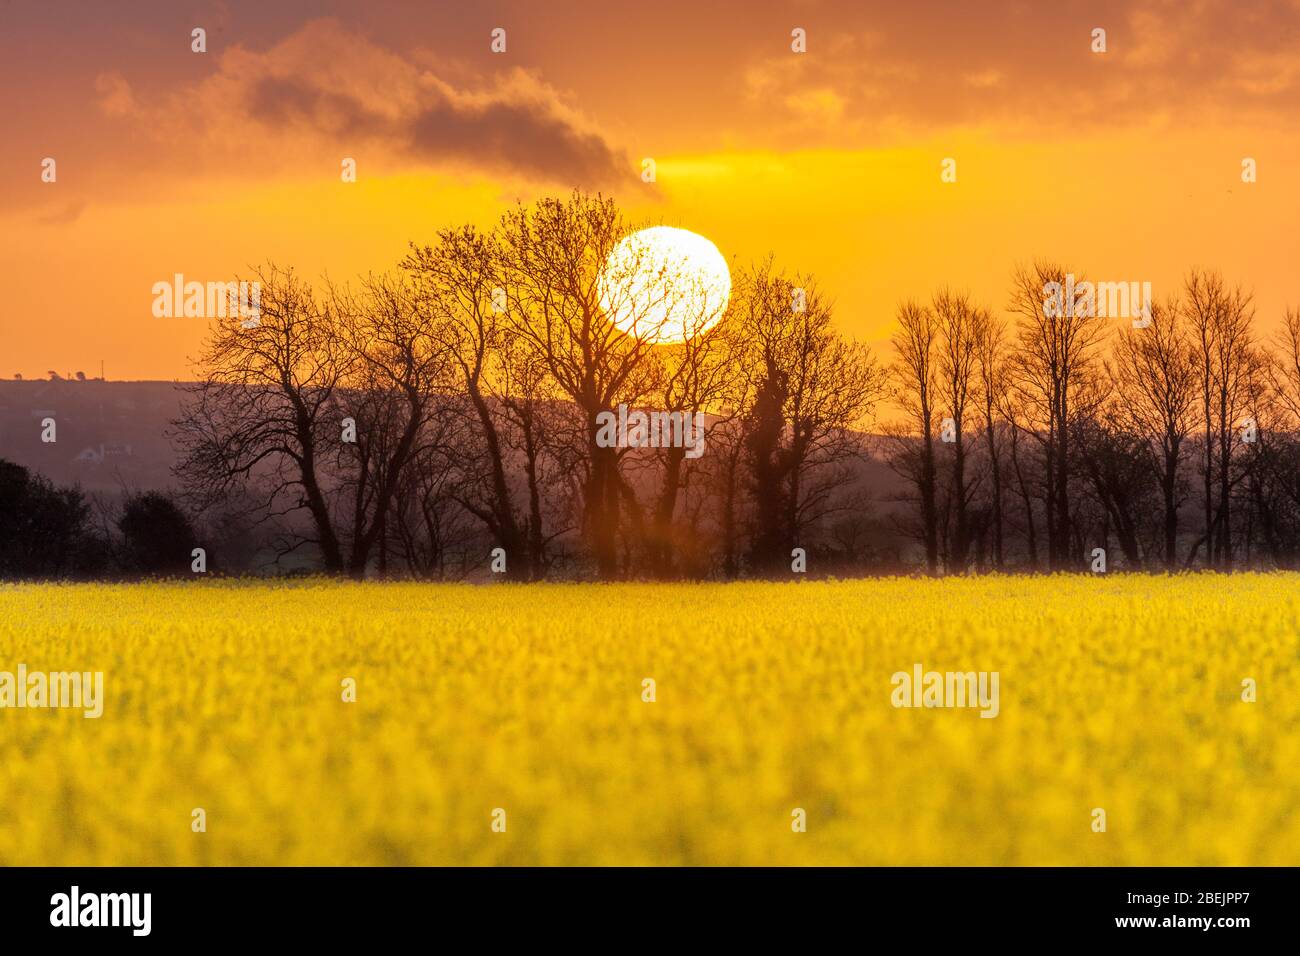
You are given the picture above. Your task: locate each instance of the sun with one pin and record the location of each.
(664, 285)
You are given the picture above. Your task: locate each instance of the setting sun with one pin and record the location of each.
(665, 285)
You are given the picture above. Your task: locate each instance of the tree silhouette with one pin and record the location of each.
(157, 536)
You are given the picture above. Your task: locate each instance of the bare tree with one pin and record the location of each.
(398, 367)
(263, 407)
(461, 285)
(1274, 486)
(1204, 291)
(535, 423)
(959, 334)
(1053, 372)
(990, 346)
(1229, 367)
(1153, 375)
(431, 533)
(1284, 369)
(807, 389)
(559, 288)
(915, 386)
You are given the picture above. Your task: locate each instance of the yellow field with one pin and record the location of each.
(1121, 693)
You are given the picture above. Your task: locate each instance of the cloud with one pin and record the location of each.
(1020, 67)
(322, 94)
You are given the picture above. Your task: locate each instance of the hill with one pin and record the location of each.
(108, 434)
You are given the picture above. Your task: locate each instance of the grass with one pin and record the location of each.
(1120, 693)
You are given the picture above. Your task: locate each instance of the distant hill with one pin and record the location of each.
(109, 434)
(113, 434)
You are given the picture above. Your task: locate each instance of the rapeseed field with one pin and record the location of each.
(1121, 694)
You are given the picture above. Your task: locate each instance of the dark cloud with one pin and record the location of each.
(277, 101)
(324, 84)
(523, 134)
(515, 135)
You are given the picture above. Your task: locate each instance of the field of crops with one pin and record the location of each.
(1122, 694)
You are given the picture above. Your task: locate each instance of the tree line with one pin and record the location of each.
(47, 531)
(1169, 442)
(443, 419)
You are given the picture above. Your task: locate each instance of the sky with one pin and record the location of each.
(1124, 165)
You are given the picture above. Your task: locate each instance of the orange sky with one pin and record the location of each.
(1125, 165)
